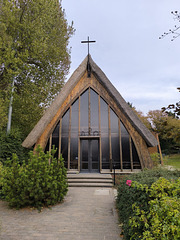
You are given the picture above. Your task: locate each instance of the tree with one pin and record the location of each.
(141, 116)
(34, 38)
(176, 30)
(173, 109)
(168, 129)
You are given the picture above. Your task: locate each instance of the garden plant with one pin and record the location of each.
(149, 206)
(40, 181)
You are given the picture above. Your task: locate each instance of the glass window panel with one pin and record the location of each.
(64, 137)
(84, 111)
(84, 154)
(85, 166)
(115, 139)
(95, 150)
(95, 166)
(104, 134)
(136, 161)
(125, 148)
(55, 139)
(95, 154)
(94, 111)
(74, 135)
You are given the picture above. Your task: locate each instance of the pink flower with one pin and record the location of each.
(128, 182)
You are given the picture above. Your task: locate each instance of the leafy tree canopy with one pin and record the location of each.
(168, 129)
(34, 37)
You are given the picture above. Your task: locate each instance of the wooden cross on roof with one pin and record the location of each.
(88, 65)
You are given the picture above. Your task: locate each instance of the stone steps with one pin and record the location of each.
(90, 180)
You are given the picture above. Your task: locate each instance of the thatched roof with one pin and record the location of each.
(73, 80)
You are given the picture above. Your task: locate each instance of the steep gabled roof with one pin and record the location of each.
(70, 84)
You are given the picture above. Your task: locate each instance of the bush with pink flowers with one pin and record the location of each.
(129, 196)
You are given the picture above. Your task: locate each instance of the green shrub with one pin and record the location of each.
(11, 144)
(162, 219)
(127, 196)
(156, 159)
(1, 179)
(36, 183)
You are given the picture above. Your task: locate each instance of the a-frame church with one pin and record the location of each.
(92, 126)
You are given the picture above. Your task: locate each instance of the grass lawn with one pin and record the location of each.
(172, 160)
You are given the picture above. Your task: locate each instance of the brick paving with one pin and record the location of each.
(85, 214)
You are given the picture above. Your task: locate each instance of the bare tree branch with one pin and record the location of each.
(175, 31)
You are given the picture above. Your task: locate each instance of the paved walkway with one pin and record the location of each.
(86, 214)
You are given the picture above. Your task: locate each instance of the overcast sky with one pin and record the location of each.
(144, 69)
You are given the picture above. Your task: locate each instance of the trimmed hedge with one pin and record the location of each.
(128, 196)
(35, 183)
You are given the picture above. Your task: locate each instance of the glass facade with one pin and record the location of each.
(74, 135)
(105, 134)
(90, 136)
(115, 145)
(64, 137)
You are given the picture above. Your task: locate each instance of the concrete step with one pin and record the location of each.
(90, 185)
(90, 180)
(89, 176)
(87, 180)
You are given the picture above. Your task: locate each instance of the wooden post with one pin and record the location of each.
(89, 110)
(50, 145)
(60, 127)
(110, 144)
(100, 150)
(69, 138)
(159, 148)
(130, 149)
(120, 146)
(79, 142)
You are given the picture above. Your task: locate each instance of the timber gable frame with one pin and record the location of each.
(72, 90)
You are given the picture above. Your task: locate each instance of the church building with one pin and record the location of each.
(92, 126)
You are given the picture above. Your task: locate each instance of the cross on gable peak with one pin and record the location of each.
(88, 42)
(88, 64)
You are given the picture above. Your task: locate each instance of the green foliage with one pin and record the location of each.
(1, 179)
(10, 144)
(127, 196)
(162, 219)
(40, 182)
(3, 113)
(156, 159)
(168, 129)
(34, 37)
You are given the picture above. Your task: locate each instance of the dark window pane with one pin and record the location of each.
(64, 137)
(115, 138)
(85, 166)
(94, 111)
(136, 161)
(55, 139)
(104, 134)
(84, 153)
(125, 148)
(74, 135)
(95, 166)
(84, 111)
(95, 154)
